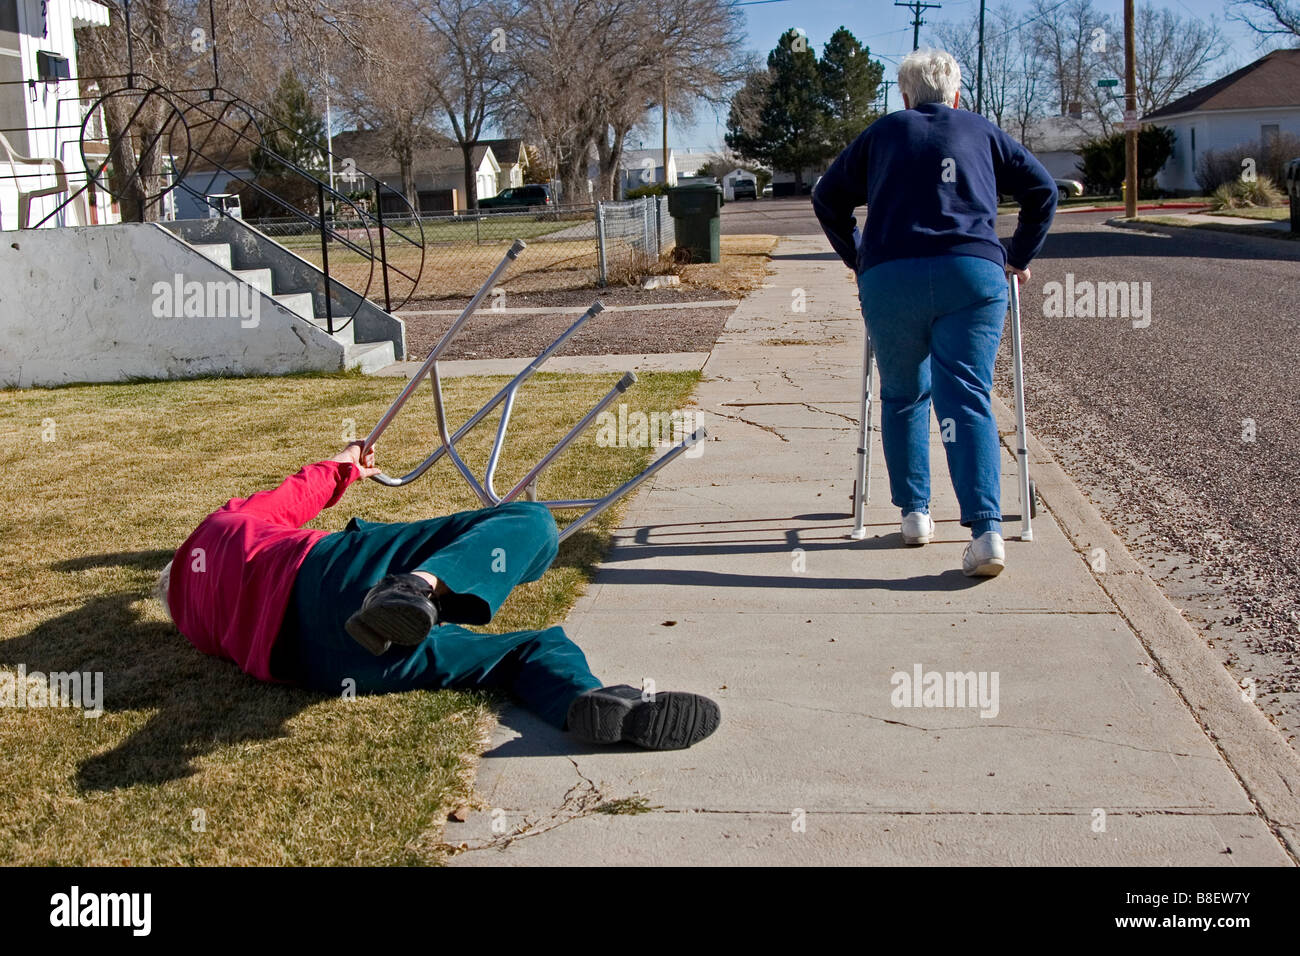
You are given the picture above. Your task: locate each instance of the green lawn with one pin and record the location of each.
(192, 762)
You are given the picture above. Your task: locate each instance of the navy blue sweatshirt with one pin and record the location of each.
(930, 177)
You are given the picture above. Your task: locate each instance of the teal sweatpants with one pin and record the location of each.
(481, 556)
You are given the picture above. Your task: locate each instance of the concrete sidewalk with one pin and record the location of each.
(733, 576)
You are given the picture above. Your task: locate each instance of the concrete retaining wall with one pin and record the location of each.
(81, 305)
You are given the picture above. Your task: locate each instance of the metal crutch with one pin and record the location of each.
(862, 483)
(1028, 493)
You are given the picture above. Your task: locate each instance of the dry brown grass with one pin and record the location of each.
(280, 776)
(741, 271)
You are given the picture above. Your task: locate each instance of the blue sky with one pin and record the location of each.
(886, 30)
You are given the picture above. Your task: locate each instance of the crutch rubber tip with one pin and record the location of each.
(626, 382)
(1026, 536)
(518, 247)
(596, 308)
(857, 534)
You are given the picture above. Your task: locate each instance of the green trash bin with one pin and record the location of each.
(697, 220)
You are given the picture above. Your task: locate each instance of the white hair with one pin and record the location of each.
(929, 76)
(160, 588)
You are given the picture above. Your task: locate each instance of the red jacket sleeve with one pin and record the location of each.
(300, 497)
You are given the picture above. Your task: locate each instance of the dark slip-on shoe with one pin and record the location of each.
(400, 609)
(671, 720)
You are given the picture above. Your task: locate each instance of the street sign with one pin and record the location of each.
(1110, 82)
(1130, 120)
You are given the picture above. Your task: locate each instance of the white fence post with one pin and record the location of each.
(601, 265)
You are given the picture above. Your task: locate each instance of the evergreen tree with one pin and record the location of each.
(801, 112)
(790, 128)
(850, 83)
(293, 133)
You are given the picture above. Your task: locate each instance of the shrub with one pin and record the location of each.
(1102, 166)
(1215, 167)
(1240, 195)
(657, 189)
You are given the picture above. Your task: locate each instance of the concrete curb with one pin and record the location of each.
(1265, 765)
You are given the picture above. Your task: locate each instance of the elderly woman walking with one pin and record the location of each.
(932, 282)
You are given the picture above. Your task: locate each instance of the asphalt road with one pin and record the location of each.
(1185, 431)
(773, 217)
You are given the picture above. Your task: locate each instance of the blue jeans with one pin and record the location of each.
(935, 324)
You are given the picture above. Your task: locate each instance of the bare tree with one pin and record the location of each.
(1174, 54)
(961, 39)
(389, 86)
(1027, 94)
(588, 72)
(136, 127)
(468, 77)
(554, 69)
(1069, 39)
(1269, 18)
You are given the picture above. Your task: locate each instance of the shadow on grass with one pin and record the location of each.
(199, 704)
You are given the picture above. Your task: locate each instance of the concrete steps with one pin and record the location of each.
(367, 356)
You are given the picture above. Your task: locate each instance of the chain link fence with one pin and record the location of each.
(569, 247)
(632, 237)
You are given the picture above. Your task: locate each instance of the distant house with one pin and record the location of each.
(202, 178)
(1057, 142)
(690, 161)
(512, 157)
(437, 165)
(1255, 104)
(786, 182)
(637, 168)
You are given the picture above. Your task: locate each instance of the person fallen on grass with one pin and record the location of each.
(381, 607)
(932, 283)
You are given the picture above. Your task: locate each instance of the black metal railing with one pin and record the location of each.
(172, 139)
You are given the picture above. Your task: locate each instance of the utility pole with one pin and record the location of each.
(979, 67)
(1130, 115)
(916, 6)
(887, 84)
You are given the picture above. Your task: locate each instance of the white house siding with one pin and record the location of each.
(47, 27)
(1216, 130)
(1061, 164)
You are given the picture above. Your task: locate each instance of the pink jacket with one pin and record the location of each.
(231, 579)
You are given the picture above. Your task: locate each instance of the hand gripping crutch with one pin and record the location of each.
(862, 482)
(1028, 494)
(486, 490)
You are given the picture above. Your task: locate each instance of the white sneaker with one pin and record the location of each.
(918, 527)
(985, 557)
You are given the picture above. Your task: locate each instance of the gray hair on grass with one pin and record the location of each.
(929, 76)
(160, 589)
